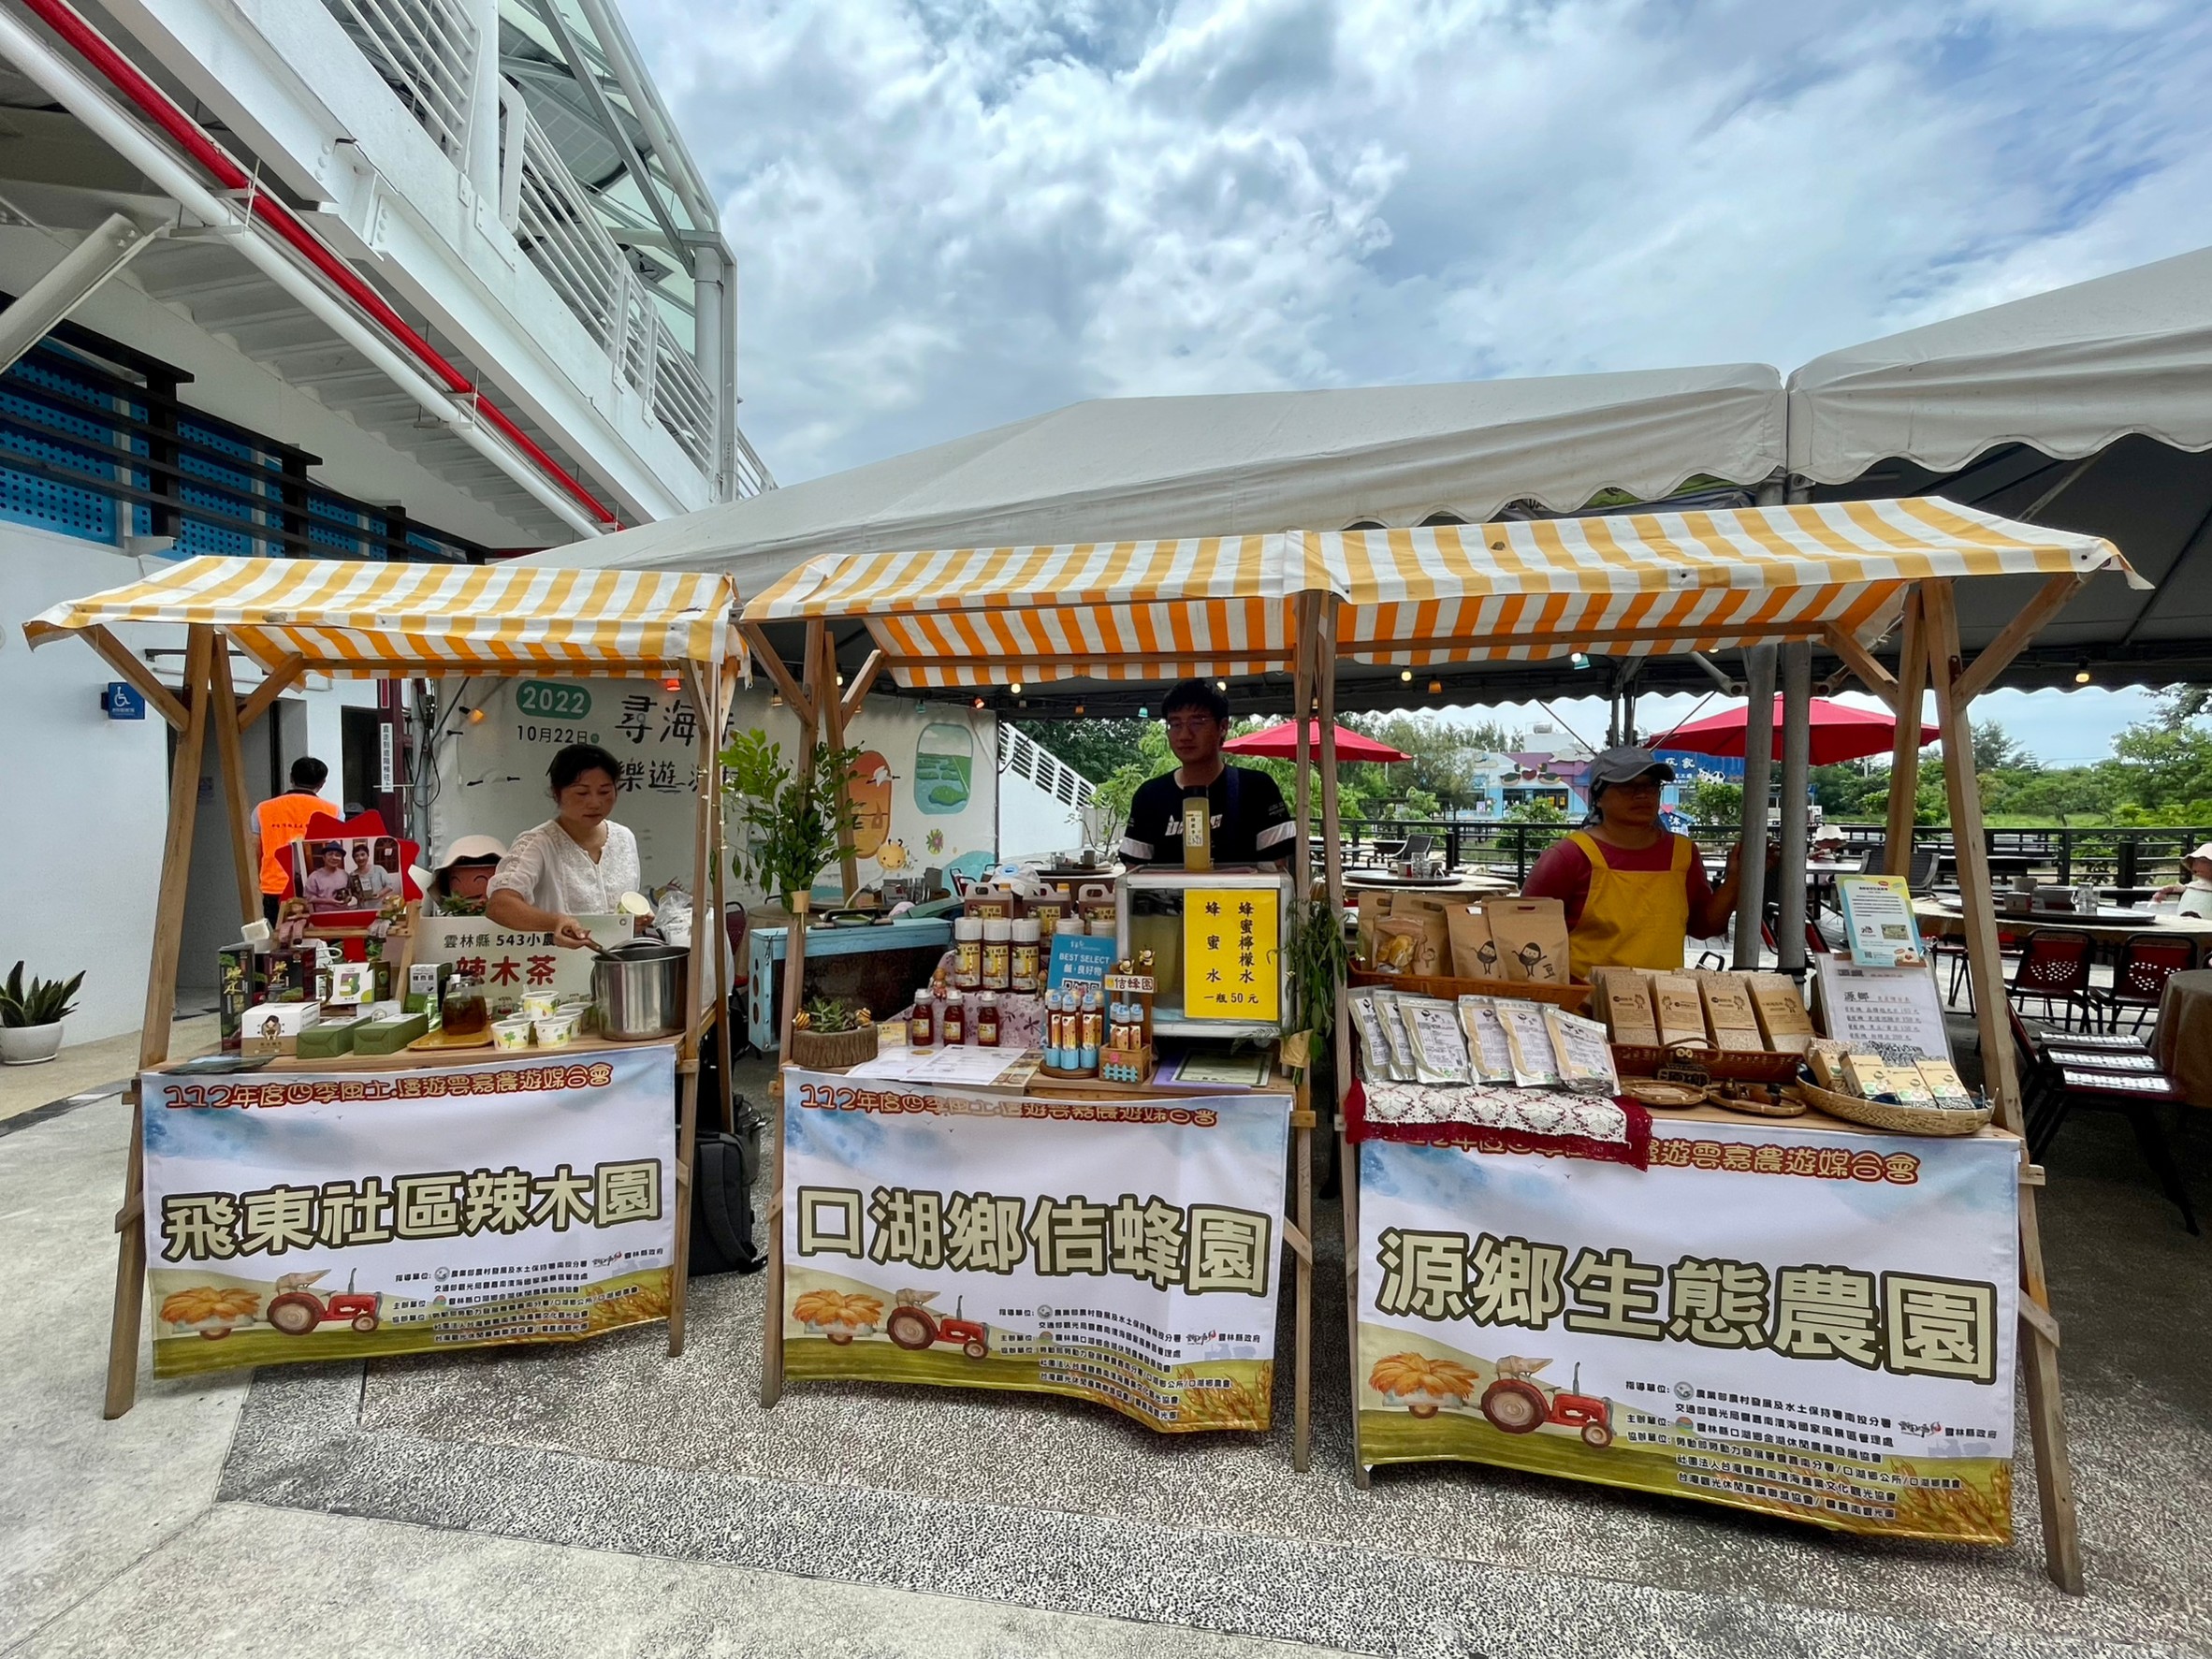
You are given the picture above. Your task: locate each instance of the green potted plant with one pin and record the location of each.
(790, 819)
(827, 1032)
(31, 1020)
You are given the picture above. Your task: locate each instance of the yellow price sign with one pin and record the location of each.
(1232, 953)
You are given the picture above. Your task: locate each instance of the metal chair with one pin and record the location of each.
(2055, 1080)
(2054, 969)
(2140, 980)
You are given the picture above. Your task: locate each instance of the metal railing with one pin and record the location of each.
(561, 231)
(2059, 855)
(110, 455)
(425, 51)
(1024, 757)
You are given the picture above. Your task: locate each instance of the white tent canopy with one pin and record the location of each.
(2088, 408)
(2066, 372)
(1134, 468)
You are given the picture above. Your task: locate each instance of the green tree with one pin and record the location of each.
(1096, 749)
(1535, 810)
(1842, 789)
(1714, 802)
(1995, 748)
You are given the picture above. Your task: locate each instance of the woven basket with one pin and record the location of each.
(833, 1050)
(1905, 1120)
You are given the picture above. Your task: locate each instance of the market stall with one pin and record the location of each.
(1769, 1307)
(1097, 1215)
(412, 1188)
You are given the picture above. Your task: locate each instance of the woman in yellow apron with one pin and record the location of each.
(1633, 890)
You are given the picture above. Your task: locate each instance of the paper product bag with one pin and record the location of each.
(1474, 953)
(1531, 935)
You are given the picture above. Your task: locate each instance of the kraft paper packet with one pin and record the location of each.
(1531, 938)
(1398, 944)
(1730, 1020)
(1474, 953)
(1783, 1016)
(1625, 998)
(1374, 907)
(1488, 1050)
(1872, 1078)
(1825, 1054)
(1432, 956)
(1534, 1064)
(1680, 1009)
(1943, 1083)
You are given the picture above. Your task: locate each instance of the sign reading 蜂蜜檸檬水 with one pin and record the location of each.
(1815, 1323)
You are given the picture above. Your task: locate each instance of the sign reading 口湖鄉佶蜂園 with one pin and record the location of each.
(1125, 1252)
(303, 1217)
(1814, 1323)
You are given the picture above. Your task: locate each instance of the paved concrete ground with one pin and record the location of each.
(602, 1498)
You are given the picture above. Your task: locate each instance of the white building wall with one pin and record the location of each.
(81, 859)
(1032, 823)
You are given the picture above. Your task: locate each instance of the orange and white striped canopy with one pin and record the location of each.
(362, 619)
(1641, 584)
(1095, 610)
(1625, 585)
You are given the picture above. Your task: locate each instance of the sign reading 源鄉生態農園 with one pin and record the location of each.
(1816, 1323)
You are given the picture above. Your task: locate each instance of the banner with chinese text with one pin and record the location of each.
(1124, 1252)
(1815, 1323)
(326, 1216)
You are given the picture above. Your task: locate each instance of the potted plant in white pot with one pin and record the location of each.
(31, 1020)
(790, 819)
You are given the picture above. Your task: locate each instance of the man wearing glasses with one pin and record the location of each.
(1251, 825)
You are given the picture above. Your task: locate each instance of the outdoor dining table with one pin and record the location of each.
(1469, 886)
(2109, 925)
(2185, 1034)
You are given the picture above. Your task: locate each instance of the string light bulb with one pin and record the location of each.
(1221, 685)
(476, 717)
(2081, 673)
(672, 684)
(1015, 687)
(979, 703)
(1143, 713)
(1435, 686)
(1079, 708)
(1405, 674)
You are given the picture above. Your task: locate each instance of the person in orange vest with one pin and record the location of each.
(1632, 889)
(282, 819)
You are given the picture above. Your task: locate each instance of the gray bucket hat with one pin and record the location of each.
(1624, 764)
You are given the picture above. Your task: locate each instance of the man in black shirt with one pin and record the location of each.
(1251, 825)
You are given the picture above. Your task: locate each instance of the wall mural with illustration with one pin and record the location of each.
(926, 780)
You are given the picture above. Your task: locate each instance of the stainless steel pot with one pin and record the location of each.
(638, 989)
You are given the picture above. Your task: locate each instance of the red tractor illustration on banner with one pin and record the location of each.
(1515, 1403)
(295, 1309)
(915, 1326)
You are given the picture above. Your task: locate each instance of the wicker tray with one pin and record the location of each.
(1904, 1120)
(1789, 1105)
(1638, 1060)
(1570, 996)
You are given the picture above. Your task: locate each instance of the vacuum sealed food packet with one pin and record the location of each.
(1397, 944)
(1535, 1066)
(1439, 1047)
(1371, 1010)
(1585, 1057)
(1489, 1054)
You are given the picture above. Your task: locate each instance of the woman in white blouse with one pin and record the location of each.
(576, 863)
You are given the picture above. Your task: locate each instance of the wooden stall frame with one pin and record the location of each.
(814, 693)
(205, 706)
(1930, 658)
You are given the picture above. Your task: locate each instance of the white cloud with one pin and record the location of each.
(949, 216)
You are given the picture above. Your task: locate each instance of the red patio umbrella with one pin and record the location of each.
(1840, 732)
(1280, 743)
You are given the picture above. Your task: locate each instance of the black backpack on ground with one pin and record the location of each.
(723, 1168)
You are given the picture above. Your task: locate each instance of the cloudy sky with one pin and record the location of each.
(949, 216)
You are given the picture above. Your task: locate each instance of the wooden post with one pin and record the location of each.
(1301, 1181)
(824, 669)
(718, 858)
(2039, 1343)
(1904, 755)
(230, 770)
(153, 1032)
(771, 1327)
(687, 1051)
(1348, 1169)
